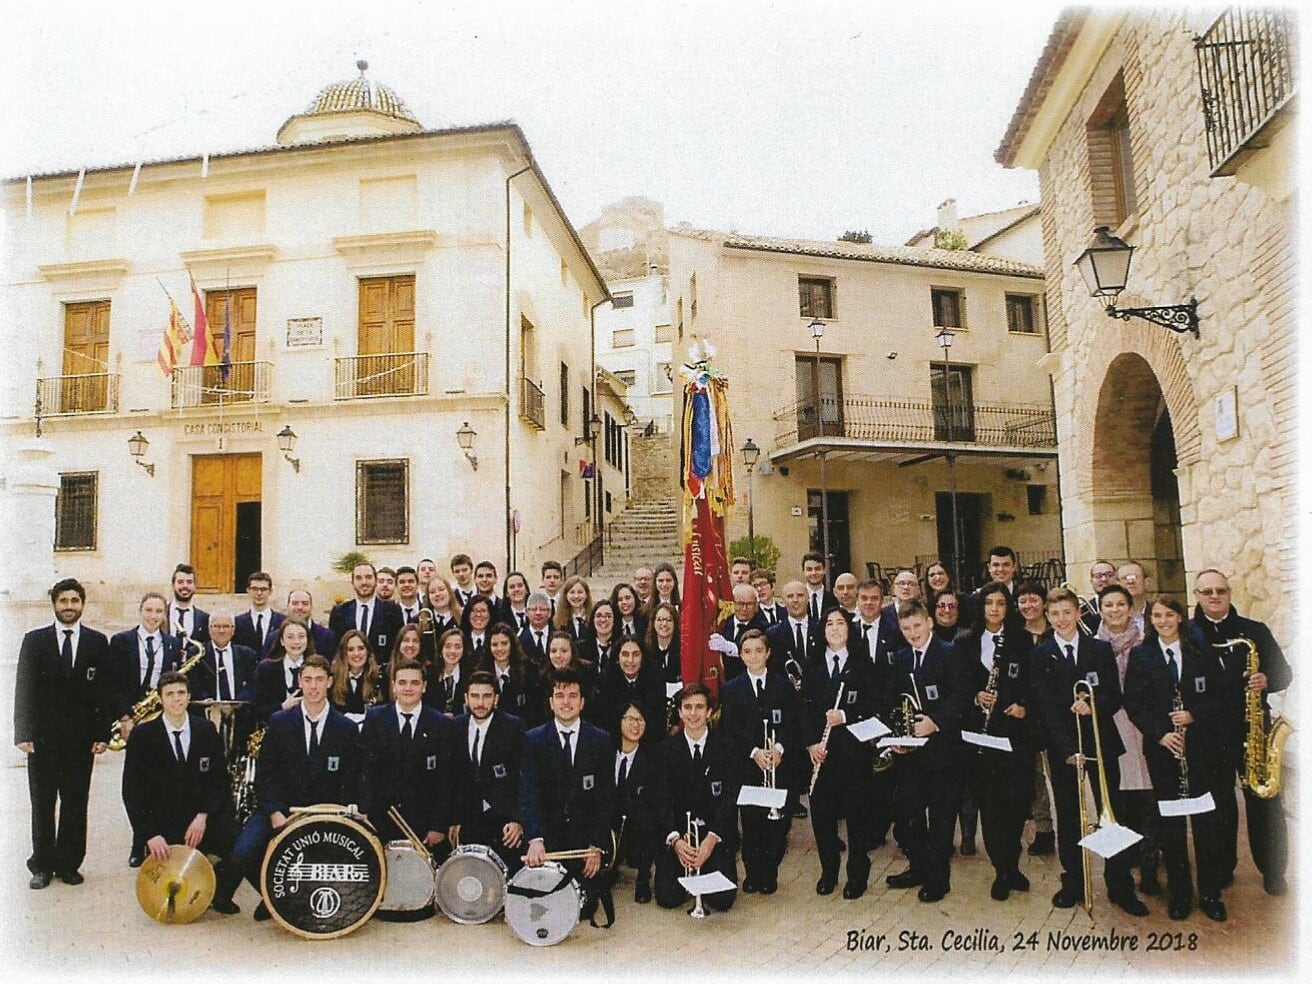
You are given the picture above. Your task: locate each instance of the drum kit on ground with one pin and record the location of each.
(325, 874)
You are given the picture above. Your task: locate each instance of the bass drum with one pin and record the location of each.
(323, 876)
(471, 884)
(408, 896)
(543, 904)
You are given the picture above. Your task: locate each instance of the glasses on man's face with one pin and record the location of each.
(1213, 592)
(1104, 575)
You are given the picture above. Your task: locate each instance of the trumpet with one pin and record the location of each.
(1263, 750)
(150, 706)
(793, 670)
(694, 836)
(767, 746)
(1083, 691)
(824, 741)
(901, 721)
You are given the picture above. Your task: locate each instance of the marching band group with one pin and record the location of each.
(546, 724)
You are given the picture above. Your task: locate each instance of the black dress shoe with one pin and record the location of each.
(749, 886)
(1017, 882)
(135, 860)
(1067, 898)
(642, 893)
(904, 879)
(1000, 890)
(854, 890)
(225, 907)
(1130, 904)
(40, 879)
(1149, 885)
(770, 887)
(1179, 909)
(1213, 909)
(262, 913)
(1043, 843)
(826, 885)
(927, 894)
(968, 849)
(1274, 884)
(70, 877)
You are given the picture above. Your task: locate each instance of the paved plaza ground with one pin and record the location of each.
(98, 930)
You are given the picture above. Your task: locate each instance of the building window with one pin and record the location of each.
(1020, 314)
(382, 493)
(623, 338)
(954, 402)
(564, 395)
(1037, 496)
(586, 406)
(85, 384)
(386, 363)
(622, 299)
(948, 307)
(816, 295)
(1111, 163)
(663, 381)
(819, 397)
(664, 333)
(627, 376)
(75, 512)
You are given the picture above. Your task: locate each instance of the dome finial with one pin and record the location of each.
(362, 65)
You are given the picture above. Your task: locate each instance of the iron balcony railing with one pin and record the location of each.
(358, 377)
(91, 393)
(204, 386)
(533, 403)
(864, 418)
(1247, 74)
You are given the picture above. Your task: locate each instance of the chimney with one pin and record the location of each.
(947, 216)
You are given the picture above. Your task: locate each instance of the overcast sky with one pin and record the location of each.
(788, 118)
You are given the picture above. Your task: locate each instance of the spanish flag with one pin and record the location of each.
(175, 337)
(205, 349)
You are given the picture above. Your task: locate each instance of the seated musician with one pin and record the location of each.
(175, 781)
(404, 754)
(484, 748)
(755, 704)
(696, 789)
(567, 783)
(310, 755)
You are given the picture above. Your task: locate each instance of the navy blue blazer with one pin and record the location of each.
(1054, 681)
(244, 633)
(123, 654)
(943, 688)
(67, 711)
(387, 621)
(743, 717)
(783, 645)
(568, 806)
(204, 678)
(494, 784)
(200, 623)
(288, 776)
(163, 795)
(406, 774)
(733, 665)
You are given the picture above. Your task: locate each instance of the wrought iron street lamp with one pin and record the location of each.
(1105, 266)
(751, 455)
(465, 437)
(287, 444)
(945, 338)
(818, 332)
(137, 446)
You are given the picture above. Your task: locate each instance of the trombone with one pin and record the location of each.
(1083, 691)
(694, 837)
(768, 748)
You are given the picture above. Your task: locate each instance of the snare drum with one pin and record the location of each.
(471, 884)
(543, 904)
(323, 875)
(408, 896)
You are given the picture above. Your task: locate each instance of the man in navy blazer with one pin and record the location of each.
(63, 701)
(379, 619)
(485, 747)
(1056, 664)
(236, 679)
(746, 615)
(567, 781)
(175, 780)
(255, 626)
(785, 655)
(300, 603)
(311, 754)
(184, 617)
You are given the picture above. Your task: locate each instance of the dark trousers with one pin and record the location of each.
(1173, 832)
(764, 842)
(844, 788)
(1066, 793)
(1268, 836)
(487, 831)
(884, 790)
(246, 858)
(637, 845)
(1003, 783)
(1137, 810)
(59, 775)
(928, 800)
(670, 894)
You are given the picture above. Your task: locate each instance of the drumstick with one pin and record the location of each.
(410, 835)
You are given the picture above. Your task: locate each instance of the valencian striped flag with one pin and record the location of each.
(176, 337)
(706, 475)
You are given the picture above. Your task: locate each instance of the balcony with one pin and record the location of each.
(876, 427)
(393, 374)
(66, 395)
(206, 386)
(533, 403)
(1248, 77)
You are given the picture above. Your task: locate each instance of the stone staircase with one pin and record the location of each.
(643, 535)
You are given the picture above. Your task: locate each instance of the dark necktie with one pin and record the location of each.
(997, 644)
(623, 776)
(628, 631)
(448, 688)
(541, 648)
(919, 657)
(697, 755)
(1070, 654)
(259, 627)
(364, 620)
(409, 615)
(578, 628)
(225, 692)
(150, 661)
(833, 673)
(760, 688)
(66, 652)
(177, 746)
(314, 738)
(407, 729)
(182, 620)
(523, 621)
(798, 641)
(505, 681)
(355, 685)
(569, 754)
(473, 756)
(815, 607)
(1175, 667)
(739, 629)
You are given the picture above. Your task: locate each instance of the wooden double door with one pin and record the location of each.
(225, 520)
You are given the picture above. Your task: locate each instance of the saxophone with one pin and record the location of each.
(901, 720)
(1263, 750)
(149, 706)
(242, 773)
